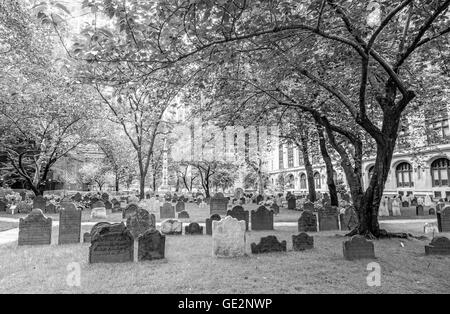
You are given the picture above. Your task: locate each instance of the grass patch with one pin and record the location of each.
(4, 226)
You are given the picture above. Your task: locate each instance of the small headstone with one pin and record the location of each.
(262, 219)
(239, 213)
(419, 210)
(151, 245)
(444, 220)
(39, 202)
(77, 197)
(87, 237)
(218, 204)
(209, 221)
(268, 244)
(438, 246)
(431, 227)
(35, 229)
(275, 208)
(172, 227)
(111, 243)
(167, 211)
(358, 247)
(302, 242)
(193, 228)
(105, 197)
(228, 237)
(69, 224)
(2, 206)
(307, 222)
(140, 221)
(108, 205)
(328, 219)
(129, 210)
(183, 215)
(180, 206)
(292, 203)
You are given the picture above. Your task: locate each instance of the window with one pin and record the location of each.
(247, 147)
(281, 156)
(436, 121)
(440, 172)
(235, 146)
(317, 180)
(290, 181)
(290, 152)
(404, 175)
(303, 181)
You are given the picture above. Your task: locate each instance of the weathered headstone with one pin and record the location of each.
(358, 247)
(69, 224)
(444, 220)
(239, 213)
(2, 206)
(183, 215)
(172, 227)
(262, 219)
(140, 221)
(228, 237)
(328, 219)
(39, 202)
(302, 242)
(87, 237)
(349, 219)
(438, 246)
(77, 197)
(129, 210)
(167, 211)
(275, 208)
(419, 210)
(292, 203)
(180, 206)
(308, 206)
(35, 229)
(209, 221)
(98, 210)
(268, 244)
(105, 197)
(50, 208)
(193, 228)
(111, 243)
(151, 245)
(307, 222)
(218, 204)
(108, 205)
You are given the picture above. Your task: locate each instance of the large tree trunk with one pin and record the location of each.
(308, 167)
(117, 182)
(329, 167)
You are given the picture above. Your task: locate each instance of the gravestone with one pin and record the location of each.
(308, 206)
(414, 202)
(275, 208)
(140, 221)
(239, 213)
(193, 229)
(105, 197)
(35, 229)
(111, 243)
(268, 244)
(292, 203)
(98, 210)
(167, 211)
(116, 208)
(129, 210)
(180, 207)
(77, 197)
(302, 242)
(438, 246)
(108, 205)
(151, 245)
(39, 202)
(228, 237)
(259, 199)
(87, 237)
(69, 224)
(444, 220)
(431, 211)
(419, 210)
(307, 222)
(349, 219)
(358, 247)
(262, 219)
(218, 204)
(2, 206)
(172, 227)
(328, 219)
(183, 215)
(51, 208)
(209, 221)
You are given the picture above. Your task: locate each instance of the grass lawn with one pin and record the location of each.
(8, 225)
(190, 268)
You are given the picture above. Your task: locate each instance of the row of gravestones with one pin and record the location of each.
(327, 220)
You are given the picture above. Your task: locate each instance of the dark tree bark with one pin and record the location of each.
(308, 166)
(329, 166)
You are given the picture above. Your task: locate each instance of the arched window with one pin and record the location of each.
(290, 181)
(290, 153)
(404, 175)
(370, 173)
(317, 180)
(281, 156)
(303, 181)
(440, 172)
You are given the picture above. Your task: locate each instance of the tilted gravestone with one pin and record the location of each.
(140, 221)
(239, 213)
(275, 208)
(358, 247)
(39, 202)
(262, 219)
(172, 227)
(209, 221)
(69, 224)
(151, 245)
(228, 237)
(268, 244)
(183, 215)
(444, 220)
(302, 242)
(35, 229)
(129, 210)
(307, 222)
(438, 246)
(349, 219)
(218, 204)
(111, 243)
(193, 228)
(180, 206)
(292, 203)
(167, 211)
(328, 219)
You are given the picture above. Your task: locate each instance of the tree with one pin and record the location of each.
(94, 173)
